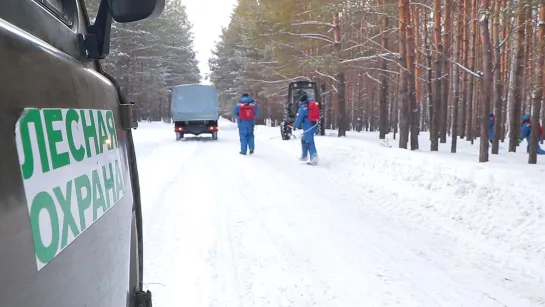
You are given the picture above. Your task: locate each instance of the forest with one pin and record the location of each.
(397, 67)
(149, 57)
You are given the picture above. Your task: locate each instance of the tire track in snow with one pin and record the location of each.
(457, 270)
(168, 222)
(276, 269)
(160, 168)
(340, 251)
(244, 231)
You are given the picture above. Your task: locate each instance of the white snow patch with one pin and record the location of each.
(372, 225)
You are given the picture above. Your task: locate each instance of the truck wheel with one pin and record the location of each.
(215, 135)
(179, 136)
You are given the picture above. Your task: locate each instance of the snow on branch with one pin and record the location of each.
(423, 5)
(469, 71)
(287, 80)
(326, 75)
(310, 35)
(371, 78)
(320, 23)
(372, 57)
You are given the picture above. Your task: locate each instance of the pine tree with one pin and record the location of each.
(149, 57)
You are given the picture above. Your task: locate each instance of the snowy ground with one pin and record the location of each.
(371, 226)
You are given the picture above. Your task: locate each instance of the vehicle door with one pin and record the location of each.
(66, 203)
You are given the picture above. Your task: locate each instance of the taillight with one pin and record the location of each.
(179, 129)
(213, 128)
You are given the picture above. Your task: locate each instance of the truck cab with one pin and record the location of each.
(70, 215)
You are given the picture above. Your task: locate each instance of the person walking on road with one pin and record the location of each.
(246, 112)
(307, 119)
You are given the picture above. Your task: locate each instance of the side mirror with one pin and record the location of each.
(96, 43)
(124, 11)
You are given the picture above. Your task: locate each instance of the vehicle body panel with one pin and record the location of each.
(93, 270)
(194, 102)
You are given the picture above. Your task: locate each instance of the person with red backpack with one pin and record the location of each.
(308, 118)
(246, 112)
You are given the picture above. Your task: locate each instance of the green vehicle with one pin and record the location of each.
(70, 215)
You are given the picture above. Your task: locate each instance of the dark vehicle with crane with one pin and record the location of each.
(296, 90)
(70, 214)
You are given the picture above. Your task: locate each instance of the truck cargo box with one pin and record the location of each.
(194, 102)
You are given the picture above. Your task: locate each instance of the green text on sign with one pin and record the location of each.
(71, 167)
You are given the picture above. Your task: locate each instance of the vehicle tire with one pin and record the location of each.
(285, 131)
(179, 136)
(215, 135)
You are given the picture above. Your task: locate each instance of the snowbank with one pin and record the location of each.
(150, 135)
(500, 200)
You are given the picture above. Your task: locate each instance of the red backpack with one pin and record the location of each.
(313, 111)
(246, 112)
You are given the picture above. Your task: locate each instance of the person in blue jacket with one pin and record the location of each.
(491, 122)
(246, 112)
(309, 129)
(526, 131)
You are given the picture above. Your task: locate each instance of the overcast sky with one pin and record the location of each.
(207, 16)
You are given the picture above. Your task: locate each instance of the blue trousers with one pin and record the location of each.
(247, 141)
(540, 150)
(308, 146)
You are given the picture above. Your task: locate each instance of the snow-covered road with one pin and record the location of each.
(237, 231)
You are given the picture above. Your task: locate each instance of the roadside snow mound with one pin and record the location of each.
(501, 199)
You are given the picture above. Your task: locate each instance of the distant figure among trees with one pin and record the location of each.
(526, 131)
(491, 122)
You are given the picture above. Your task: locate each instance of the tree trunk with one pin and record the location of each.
(506, 49)
(538, 94)
(497, 79)
(487, 80)
(418, 72)
(413, 112)
(465, 79)
(434, 134)
(515, 82)
(447, 35)
(341, 94)
(471, 87)
(404, 78)
(457, 58)
(429, 75)
(383, 93)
